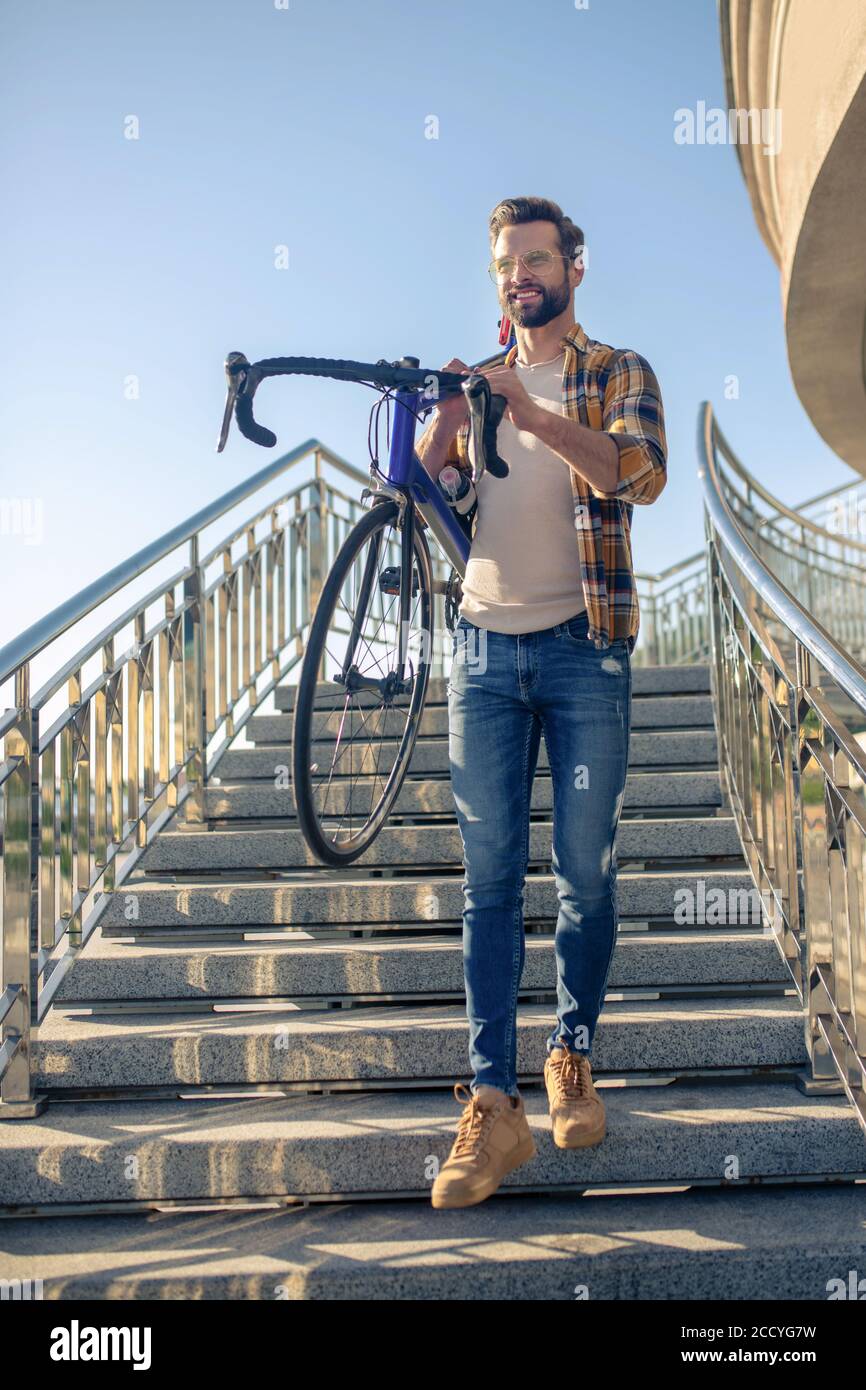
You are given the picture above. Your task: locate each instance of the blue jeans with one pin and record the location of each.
(504, 690)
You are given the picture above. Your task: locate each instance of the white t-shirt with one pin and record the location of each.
(523, 572)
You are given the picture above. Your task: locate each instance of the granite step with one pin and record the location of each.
(693, 750)
(385, 1144)
(647, 712)
(646, 680)
(103, 1051)
(347, 899)
(645, 792)
(772, 1244)
(108, 969)
(188, 850)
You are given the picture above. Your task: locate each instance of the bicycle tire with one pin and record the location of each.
(380, 515)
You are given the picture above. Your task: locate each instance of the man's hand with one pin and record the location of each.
(522, 410)
(453, 410)
(449, 414)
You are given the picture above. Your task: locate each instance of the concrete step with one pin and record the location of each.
(645, 680)
(428, 796)
(695, 750)
(400, 1043)
(772, 1244)
(387, 1143)
(344, 898)
(108, 969)
(186, 850)
(647, 712)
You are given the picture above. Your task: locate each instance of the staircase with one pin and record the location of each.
(251, 1063)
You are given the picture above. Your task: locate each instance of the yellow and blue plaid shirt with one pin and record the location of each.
(615, 391)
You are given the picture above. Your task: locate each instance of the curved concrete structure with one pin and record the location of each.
(807, 62)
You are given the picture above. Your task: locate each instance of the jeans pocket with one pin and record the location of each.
(578, 627)
(459, 637)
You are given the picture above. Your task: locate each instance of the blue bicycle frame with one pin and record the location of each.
(407, 480)
(405, 469)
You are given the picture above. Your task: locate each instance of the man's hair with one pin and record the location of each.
(512, 211)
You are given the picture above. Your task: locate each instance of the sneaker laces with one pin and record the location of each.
(474, 1123)
(572, 1076)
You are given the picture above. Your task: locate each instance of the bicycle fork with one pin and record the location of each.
(395, 682)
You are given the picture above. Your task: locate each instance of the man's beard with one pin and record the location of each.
(551, 303)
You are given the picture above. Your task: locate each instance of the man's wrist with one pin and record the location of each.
(538, 419)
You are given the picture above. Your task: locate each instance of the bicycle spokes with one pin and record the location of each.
(372, 653)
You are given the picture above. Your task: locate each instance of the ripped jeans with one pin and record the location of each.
(504, 690)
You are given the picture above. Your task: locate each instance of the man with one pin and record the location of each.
(547, 624)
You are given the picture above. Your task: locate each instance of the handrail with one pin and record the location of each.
(828, 572)
(84, 791)
(795, 513)
(46, 630)
(782, 510)
(850, 675)
(789, 702)
(836, 491)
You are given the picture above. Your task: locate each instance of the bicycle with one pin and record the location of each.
(404, 501)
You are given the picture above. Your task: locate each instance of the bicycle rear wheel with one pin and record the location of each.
(354, 732)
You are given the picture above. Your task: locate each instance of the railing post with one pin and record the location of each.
(652, 643)
(195, 695)
(822, 1077)
(317, 531)
(17, 1100)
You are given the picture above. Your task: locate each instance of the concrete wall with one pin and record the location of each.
(806, 59)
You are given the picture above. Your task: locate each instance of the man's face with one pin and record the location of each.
(531, 300)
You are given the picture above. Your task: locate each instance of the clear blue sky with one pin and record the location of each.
(262, 126)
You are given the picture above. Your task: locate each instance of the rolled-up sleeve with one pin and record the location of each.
(634, 418)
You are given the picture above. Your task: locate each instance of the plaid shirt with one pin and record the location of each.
(616, 392)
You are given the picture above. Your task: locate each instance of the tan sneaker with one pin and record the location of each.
(493, 1137)
(576, 1108)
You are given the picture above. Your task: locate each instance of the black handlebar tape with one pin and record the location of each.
(498, 467)
(381, 373)
(486, 411)
(244, 416)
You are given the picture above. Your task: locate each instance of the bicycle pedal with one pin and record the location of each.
(389, 580)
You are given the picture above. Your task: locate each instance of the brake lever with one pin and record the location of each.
(236, 374)
(486, 410)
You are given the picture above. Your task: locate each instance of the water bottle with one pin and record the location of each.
(458, 488)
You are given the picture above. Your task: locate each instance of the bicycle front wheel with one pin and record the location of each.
(362, 686)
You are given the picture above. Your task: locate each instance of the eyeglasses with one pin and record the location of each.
(535, 262)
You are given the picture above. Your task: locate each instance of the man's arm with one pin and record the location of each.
(438, 445)
(591, 453)
(627, 457)
(634, 419)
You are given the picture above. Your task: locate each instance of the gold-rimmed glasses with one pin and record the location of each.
(538, 262)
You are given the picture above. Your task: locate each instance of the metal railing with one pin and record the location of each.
(824, 569)
(790, 706)
(128, 724)
(128, 728)
(674, 628)
(817, 550)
